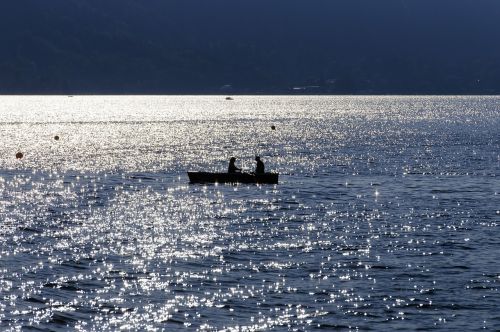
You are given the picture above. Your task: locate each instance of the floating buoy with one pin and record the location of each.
(56, 138)
(273, 127)
(19, 155)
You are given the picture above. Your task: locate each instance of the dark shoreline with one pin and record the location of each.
(258, 94)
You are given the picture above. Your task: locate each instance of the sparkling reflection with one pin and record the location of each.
(385, 216)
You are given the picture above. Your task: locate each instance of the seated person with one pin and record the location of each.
(232, 167)
(259, 169)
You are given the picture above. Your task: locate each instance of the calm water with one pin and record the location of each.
(386, 217)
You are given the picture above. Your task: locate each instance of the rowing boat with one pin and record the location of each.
(207, 177)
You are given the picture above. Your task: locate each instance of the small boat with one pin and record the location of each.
(207, 177)
(229, 98)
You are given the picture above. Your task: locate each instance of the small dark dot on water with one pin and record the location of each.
(19, 155)
(56, 138)
(273, 127)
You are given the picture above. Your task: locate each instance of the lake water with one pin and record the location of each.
(386, 215)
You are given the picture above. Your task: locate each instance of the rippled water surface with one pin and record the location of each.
(386, 216)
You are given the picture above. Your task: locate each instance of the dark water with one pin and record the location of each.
(386, 216)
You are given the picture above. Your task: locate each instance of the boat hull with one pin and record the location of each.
(207, 177)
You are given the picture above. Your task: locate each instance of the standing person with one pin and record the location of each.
(259, 169)
(232, 167)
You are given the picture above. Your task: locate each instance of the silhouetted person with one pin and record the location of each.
(232, 167)
(259, 169)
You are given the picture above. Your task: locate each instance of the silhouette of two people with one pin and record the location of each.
(259, 168)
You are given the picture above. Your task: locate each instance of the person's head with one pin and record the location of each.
(233, 159)
(257, 158)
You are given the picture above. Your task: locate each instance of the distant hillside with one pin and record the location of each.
(250, 46)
